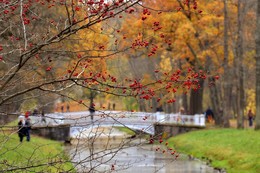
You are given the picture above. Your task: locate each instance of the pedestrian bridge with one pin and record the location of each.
(137, 121)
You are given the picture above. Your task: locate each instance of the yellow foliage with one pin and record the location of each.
(165, 63)
(250, 101)
(185, 32)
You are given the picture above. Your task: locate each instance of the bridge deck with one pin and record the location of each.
(134, 120)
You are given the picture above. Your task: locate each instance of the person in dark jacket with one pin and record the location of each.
(27, 126)
(43, 119)
(250, 116)
(21, 128)
(209, 115)
(92, 112)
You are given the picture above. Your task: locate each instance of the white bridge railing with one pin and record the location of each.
(133, 117)
(175, 118)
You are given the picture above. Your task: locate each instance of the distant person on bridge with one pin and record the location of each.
(43, 120)
(114, 106)
(159, 109)
(35, 112)
(159, 115)
(68, 107)
(182, 111)
(62, 108)
(209, 115)
(92, 112)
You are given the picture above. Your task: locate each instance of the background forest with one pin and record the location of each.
(139, 55)
(128, 55)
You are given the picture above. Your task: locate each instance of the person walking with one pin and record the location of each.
(250, 116)
(209, 115)
(21, 128)
(27, 126)
(62, 108)
(43, 120)
(92, 112)
(35, 112)
(114, 106)
(68, 107)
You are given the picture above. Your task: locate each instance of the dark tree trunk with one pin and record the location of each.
(240, 71)
(257, 124)
(185, 103)
(215, 102)
(226, 84)
(196, 97)
(91, 98)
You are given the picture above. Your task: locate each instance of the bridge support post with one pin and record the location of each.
(59, 132)
(168, 130)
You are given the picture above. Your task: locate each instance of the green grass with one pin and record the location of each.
(34, 154)
(126, 130)
(232, 149)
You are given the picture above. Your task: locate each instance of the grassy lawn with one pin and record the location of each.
(238, 151)
(32, 156)
(126, 130)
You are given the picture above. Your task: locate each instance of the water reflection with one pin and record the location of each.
(129, 156)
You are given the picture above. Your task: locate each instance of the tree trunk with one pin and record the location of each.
(215, 102)
(196, 97)
(257, 123)
(142, 106)
(91, 98)
(226, 84)
(185, 103)
(215, 94)
(154, 104)
(240, 71)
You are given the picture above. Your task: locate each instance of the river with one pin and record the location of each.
(108, 150)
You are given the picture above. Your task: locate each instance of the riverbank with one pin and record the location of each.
(38, 155)
(232, 149)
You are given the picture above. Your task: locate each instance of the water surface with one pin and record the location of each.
(101, 153)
